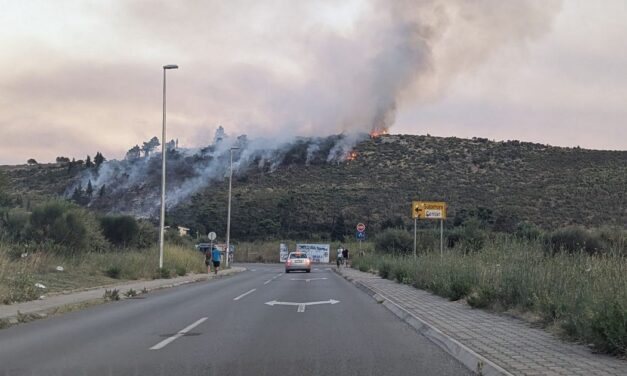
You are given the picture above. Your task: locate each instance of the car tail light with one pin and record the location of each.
(289, 262)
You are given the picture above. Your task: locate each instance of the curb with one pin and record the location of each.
(46, 312)
(465, 355)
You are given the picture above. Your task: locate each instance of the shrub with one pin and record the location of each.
(111, 295)
(385, 267)
(67, 225)
(609, 327)
(181, 270)
(21, 288)
(146, 235)
(473, 237)
(163, 273)
(394, 240)
(113, 272)
(527, 231)
(575, 239)
(120, 230)
(484, 297)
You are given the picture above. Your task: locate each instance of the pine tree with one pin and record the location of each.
(77, 195)
(88, 162)
(99, 159)
(101, 192)
(90, 189)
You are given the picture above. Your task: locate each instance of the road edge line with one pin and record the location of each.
(462, 353)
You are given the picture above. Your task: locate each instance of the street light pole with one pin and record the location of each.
(228, 216)
(163, 151)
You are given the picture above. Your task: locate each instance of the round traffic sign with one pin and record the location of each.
(361, 227)
(212, 235)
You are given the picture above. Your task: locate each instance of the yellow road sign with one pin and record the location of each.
(428, 210)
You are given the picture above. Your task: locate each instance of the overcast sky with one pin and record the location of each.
(78, 77)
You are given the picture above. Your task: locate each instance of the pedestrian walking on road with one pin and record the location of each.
(345, 255)
(339, 256)
(208, 260)
(215, 258)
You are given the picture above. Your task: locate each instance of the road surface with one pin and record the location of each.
(258, 322)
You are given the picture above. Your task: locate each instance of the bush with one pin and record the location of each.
(120, 230)
(163, 273)
(147, 234)
(609, 327)
(111, 295)
(113, 272)
(16, 223)
(473, 237)
(67, 225)
(181, 270)
(527, 231)
(21, 288)
(575, 239)
(394, 241)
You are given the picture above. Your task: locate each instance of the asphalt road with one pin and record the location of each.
(225, 327)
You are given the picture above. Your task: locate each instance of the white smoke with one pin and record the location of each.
(286, 68)
(133, 185)
(283, 75)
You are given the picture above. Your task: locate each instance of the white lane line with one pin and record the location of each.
(268, 281)
(178, 335)
(244, 294)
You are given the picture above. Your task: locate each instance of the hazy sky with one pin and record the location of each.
(78, 77)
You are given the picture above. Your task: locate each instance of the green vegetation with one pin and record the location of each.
(581, 293)
(502, 186)
(19, 276)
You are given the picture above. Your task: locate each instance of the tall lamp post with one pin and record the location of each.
(163, 151)
(228, 215)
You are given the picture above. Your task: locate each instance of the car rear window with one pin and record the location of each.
(298, 255)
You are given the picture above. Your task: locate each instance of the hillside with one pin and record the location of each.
(500, 183)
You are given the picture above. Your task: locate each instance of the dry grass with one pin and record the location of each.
(18, 276)
(583, 295)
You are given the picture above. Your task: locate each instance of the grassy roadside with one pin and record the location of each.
(583, 296)
(18, 277)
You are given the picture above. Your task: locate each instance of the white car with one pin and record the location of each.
(297, 261)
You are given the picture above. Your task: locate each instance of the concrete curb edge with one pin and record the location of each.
(459, 351)
(45, 312)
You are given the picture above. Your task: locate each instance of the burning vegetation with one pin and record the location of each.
(378, 132)
(351, 156)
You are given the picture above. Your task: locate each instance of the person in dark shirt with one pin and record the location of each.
(345, 255)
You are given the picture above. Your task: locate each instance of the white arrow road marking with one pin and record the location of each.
(307, 280)
(244, 294)
(178, 335)
(301, 306)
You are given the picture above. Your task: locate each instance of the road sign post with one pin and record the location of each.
(361, 234)
(212, 237)
(429, 210)
(415, 220)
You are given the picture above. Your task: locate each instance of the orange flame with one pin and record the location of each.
(376, 132)
(351, 156)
